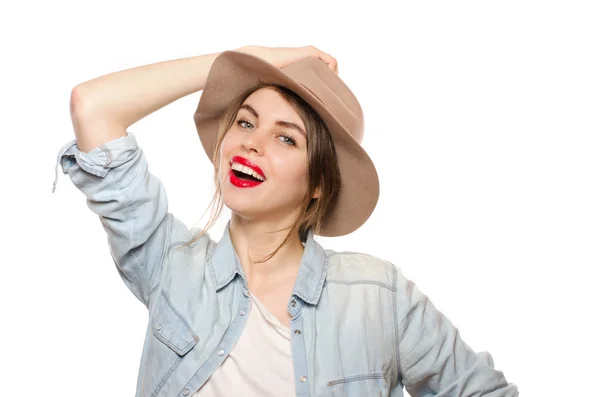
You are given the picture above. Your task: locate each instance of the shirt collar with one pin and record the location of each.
(225, 264)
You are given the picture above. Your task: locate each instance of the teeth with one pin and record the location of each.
(246, 170)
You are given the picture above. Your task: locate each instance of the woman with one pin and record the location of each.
(265, 311)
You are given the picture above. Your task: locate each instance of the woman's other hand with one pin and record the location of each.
(283, 56)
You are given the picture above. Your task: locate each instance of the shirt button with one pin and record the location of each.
(243, 312)
(157, 326)
(297, 332)
(246, 293)
(294, 303)
(185, 392)
(303, 379)
(221, 352)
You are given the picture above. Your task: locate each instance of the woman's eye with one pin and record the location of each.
(245, 124)
(287, 140)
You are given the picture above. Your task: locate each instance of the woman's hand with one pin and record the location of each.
(283, 56)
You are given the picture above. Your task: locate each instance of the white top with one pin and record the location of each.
(260, 364)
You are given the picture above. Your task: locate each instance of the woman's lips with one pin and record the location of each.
(235, 181)
(244, 161)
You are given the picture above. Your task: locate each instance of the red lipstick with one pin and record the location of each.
(245, 182)
(249, 164)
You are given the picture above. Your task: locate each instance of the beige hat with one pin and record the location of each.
(234, 72)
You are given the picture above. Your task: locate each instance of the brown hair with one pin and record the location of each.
(323, 170)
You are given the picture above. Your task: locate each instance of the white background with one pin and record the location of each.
(481, 117)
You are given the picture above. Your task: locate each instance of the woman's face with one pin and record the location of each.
(267, 139)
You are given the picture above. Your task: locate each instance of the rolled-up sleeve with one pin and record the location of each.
(131, 203)
(433, 359)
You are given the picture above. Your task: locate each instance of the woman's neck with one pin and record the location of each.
(254, 241)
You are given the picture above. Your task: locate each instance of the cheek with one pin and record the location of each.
(292, 169)
(227, 143)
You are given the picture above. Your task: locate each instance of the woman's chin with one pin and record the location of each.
(255, 213)
(244, 208)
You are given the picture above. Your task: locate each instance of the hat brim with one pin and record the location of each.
(234, 72)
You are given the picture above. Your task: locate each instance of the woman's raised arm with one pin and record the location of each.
(103, 108)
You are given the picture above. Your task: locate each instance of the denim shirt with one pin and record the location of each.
(358, 326)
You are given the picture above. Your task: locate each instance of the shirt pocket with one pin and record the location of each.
(170, 328)
(170, 340)
(371, 385)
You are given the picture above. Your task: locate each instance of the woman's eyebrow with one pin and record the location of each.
(250, 109)
(282, 123)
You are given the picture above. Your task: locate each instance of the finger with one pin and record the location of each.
(329, 60)
(323, 56)
(333, 65)
(326, 57)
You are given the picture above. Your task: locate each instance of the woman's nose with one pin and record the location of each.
(253, 142)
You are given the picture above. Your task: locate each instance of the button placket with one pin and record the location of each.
(299, 358)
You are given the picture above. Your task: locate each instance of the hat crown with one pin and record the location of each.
(331, 91)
